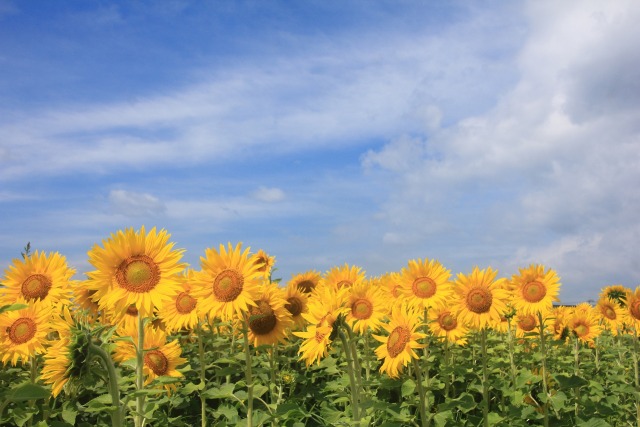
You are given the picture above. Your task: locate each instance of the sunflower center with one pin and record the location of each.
(36, 286)
(306, 286)
(609, 313)
(344, 284)
(157, 361)
(398, 340)
(634, 309)
(228, 285)
(263, 263)
(22, 330)
(534, 291)
(185, 303)
(362, 309)
(424, 287)
(581, 329)
(527, 323)
(294, 305)
(138, 273)
(479, 300)
(262, 319)
(447, 321)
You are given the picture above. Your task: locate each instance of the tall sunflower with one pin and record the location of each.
(617, 293)
(228, 283)
(23, 333)
(344, 276)
(391, 289)
(269, 319)
(398, 347)
(83, 304)
(481, 298)
(444, 324)
(306, 281)
(134, 268)
(265, 263)
(296, 304)
(612, 315)
(534, 289)
(39, 277)
(425, 283)
(584, 324)
(633, 308)
(317, 339)
(180, 311)
(526, 325)
(367, 306)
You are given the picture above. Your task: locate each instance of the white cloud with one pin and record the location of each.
(268, 194)
(134, 204)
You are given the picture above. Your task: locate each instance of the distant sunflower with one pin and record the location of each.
(269, 319)
(296, 304)
(317, 339)
(306, 281)
(534, 289)
(367, 306)
(83, 303)
(617, 293)
(526, 324)
(39, 277)
(397, 348)
(23, 333)
(444, 324)
(425, 283)
(325, 304)
(134, 268)
(344, 276)
(482, 300)
(390, 285)
(612, 315)
(161, 358)
(584, 324)
(180, 311)
(633, 308)
(558, 319)
(265, 263)
(228, 283)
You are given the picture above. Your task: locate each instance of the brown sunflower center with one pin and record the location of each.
(534, 291)
(185, 303)
(609, 312)
(294, 305)
(157, 362)
(424, 287)
(306, 286)
(344, 284)
(263, 263)
(527, 323)
(262, 319)
(634, 309)
(138, 273)
(228, 285)
(447, 321)
(581, 329)
(36, 286)
(22, 330)
(398, 340)
(362, 309)
(479, 300)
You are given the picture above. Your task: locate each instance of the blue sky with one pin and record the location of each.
(327, 132)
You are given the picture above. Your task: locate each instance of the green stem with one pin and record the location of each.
(114, 390)
(424, 403)
(635, 374)
(355, 402)
(203, 378)
(248, 373)
(545, 386)
(576, 371)
(511, 359)
(485, 378)
(139, 417)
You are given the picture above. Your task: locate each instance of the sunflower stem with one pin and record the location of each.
(355, 405)
(485, 377)
(203, 378)
(511, 359)
(636, 379)
(576, 371)
(114, 390)
(139, 416)
(248, 372)
(424, 403)
(543, 362)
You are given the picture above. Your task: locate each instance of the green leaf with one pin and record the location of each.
(69, 413)
(28, 391)
(442, 417)
(494, 418)
(594, 422)
(222, 392)
(570, 381)
(558, 400)
(12, 307)
(408, 387)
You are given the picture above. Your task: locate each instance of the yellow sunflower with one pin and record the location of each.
(325, 304)
(526, 324)
(367, 306)
(534, 289)
(265, 263)
(228, 283)
(134, 268)
(584, 324)
(317, 339)
(481, 298)
(390, 285)
(633, 308)
(39, 277)
(180, 312)
(57, 361)
(161, 358)
(444, 324)
(269, 319)
(612, 315)
(425, 283)
(397, 348)
(559, 317)
(83, 303)
(23, 333)
(617, 293)
(344, 276)
(306, 281)
(296, 304)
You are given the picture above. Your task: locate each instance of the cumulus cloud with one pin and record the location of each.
(134, 204)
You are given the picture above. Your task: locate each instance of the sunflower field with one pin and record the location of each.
(145, 340)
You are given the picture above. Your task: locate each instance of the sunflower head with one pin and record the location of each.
(616, 293)
(425, 283)
(269, 319)
(306, 281)
(481, 298)
(23, 332)
(534, 289)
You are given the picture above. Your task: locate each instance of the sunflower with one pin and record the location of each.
(269, 319)
(397, 348)
(306, 281)
(559, 317)
(180, 312)
(39, 277)
(83, 303)
(584, 324)
(344, 277)
(444, 324)
(481, 298)
(296, 304)
(633, 308)
(391, 289)
(526, 325)
(317, 339)
(134, 268)
(23, 332)
(161, 358)
(367, 306)
(425, 283)
(325, 304)
(617, 293)
(265, 263)
(534, 289)
(612, 315)
(228, 283)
